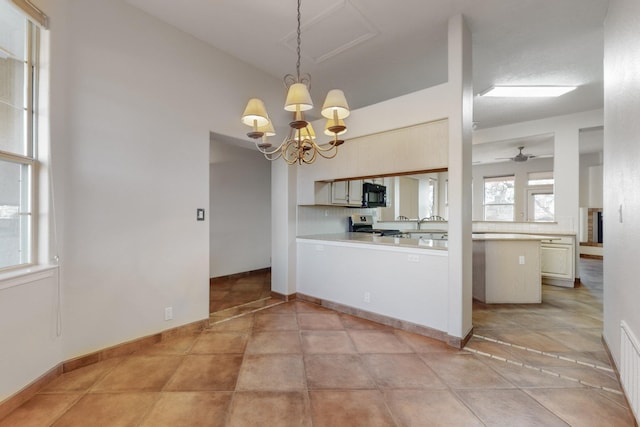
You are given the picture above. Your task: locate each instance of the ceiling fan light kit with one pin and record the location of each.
(299, 146)
(527, 91)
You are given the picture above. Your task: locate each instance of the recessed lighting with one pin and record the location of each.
(527, 91)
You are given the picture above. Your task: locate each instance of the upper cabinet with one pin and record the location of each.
(339, 193)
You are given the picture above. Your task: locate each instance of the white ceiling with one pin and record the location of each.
(376, 50)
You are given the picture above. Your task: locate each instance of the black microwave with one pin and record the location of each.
(374, 195)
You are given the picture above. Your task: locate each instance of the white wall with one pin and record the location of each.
(133, 101)
(591, 180)
(566, 165)
(621, 172)
(239, 210)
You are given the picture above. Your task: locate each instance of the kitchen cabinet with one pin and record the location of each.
(347, 193)
(557, 261)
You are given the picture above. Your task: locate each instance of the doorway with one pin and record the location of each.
(239, 227)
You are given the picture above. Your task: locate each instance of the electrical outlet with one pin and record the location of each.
(367, 297)
(168, 313)
(521, 259)
(413, 258)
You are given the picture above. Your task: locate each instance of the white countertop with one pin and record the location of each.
(369, 238)
(379, 240)
(512, 236)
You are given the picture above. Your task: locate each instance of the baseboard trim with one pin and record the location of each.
(284, 297)
(13, 402)
(612, 362)
(239, 275)
(589, 256)
(404, 325)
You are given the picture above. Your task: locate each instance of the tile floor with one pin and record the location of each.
(236, 290)
(297, 364)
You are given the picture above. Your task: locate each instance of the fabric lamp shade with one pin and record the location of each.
(298, 98)
(255, 113)
(335, 104)
(332, 123)
(267, 129)
(308, 132)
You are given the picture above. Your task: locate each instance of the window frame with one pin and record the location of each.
(485, 179)
(29, 159)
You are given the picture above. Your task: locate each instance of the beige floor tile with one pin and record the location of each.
(532, 339)
(189, 409)
(307, 307)
(171, 346)
(577, 339)
(273, 409)
(401, 371)
(422, 344)
(353, 408)
(220, 342)
(333, 342)
(81, 379)
(41, 410)
(272, 372)
(353, 322)
(508, 408)
(244, 323)
(378, 342)
(464, 371)
(337, 371)
(319, 321)
(274, 342)
(218, 372)
(108, 409)
(140, 373)
(583, 407)
(429, 408)
(275, 322)
(523, 377)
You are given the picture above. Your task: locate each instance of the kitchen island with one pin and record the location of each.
(507, 267)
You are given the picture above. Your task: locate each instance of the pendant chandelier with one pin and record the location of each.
(300, 144)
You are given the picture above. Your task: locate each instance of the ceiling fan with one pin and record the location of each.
(520, 157)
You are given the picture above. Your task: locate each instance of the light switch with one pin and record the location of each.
(521, 259)
(200, 214)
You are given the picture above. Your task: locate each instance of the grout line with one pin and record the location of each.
(548, 372)
(544, 353)
(242, 305)
(245, 313)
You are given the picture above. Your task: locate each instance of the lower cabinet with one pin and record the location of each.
(557, 259)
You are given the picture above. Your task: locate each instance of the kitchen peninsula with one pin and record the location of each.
(403, 282)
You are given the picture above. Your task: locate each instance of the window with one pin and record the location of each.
(499, 198)
(540, 197)
(18, 68)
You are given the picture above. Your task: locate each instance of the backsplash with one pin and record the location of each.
(327, 219)
(333, 219)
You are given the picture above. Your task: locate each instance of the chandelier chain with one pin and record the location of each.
(299, 38)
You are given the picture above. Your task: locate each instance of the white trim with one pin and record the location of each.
(23, 276)
(32, 12)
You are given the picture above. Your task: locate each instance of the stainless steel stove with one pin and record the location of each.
(359, 223)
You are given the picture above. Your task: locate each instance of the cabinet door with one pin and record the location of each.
(355, 192)
(557, 261)
(340, 193)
